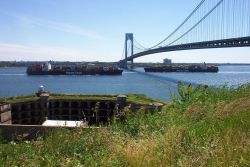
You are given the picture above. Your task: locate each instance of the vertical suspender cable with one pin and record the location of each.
(237, 19)
(222, 20)
(243, 18)
(234, 13)
(226, 19)
(189, 16)
(203, 18)
(248, 20)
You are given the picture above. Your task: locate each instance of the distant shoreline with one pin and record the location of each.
(137, 64)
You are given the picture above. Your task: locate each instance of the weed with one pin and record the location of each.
(202, 126)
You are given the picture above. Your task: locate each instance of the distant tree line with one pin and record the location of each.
(28, 63)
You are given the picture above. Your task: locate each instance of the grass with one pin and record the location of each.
(139, 98)
(19, 99)
(136, 98)
(203, 126)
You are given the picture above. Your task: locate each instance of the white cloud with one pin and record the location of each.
(10, 51)
(32, 22)
(68, 28)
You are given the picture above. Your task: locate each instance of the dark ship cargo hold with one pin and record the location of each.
(182, 68)
(47, 69)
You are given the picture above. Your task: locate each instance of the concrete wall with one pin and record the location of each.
(28, 113)
(26, 117)
(5, 113)
(88, 110)
(91, 111)
(34, 113)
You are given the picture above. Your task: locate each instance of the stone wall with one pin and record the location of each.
(27, 113)
(5, 113)
(27, 117)
(91, 111)
(34, 113)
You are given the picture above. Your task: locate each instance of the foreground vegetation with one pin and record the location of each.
(136, 98)
(205, 126)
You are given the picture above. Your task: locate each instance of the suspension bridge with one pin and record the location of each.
(212, 24)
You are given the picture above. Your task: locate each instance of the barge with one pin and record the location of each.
(183, 68)
(48, 69)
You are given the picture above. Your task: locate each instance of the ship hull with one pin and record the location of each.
(210, 69)
(111, 72)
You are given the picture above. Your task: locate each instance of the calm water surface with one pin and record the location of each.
(14, 81)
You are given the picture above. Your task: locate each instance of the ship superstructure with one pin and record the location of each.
(48, 69)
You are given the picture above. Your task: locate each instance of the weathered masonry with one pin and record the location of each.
(27, 117)
(5, 113)
(35, 112)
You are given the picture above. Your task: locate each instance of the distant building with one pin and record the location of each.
(167, 61)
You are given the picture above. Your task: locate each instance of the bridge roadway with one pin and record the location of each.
(225, 43)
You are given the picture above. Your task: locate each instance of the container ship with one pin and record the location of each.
(183, 68)
(48, 69)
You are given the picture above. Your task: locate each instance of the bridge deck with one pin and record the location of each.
(225, 43)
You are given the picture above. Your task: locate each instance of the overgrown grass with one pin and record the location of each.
(136, 98)
(17, 99)
(139, 98)
(205, 126)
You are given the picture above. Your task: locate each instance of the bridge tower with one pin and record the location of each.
(128, 37)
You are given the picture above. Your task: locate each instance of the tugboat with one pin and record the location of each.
(48, 69)
(182, 68)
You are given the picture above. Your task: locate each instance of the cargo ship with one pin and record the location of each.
(183, 68)
(48, 69)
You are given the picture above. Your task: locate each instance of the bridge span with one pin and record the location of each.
(222, 24)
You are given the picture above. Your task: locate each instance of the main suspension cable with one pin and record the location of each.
(189, 16)
(203, 18)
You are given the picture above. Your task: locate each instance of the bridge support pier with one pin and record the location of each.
(132, 63)
(123, 64)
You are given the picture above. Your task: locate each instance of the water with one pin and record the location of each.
(14, 82)
(229, 74)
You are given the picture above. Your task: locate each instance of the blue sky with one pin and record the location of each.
(94, 30)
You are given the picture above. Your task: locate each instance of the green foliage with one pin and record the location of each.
(141, 123)
(17, 99)
(202, 126)
(62, 147)
(136, 98)
(139, 98)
